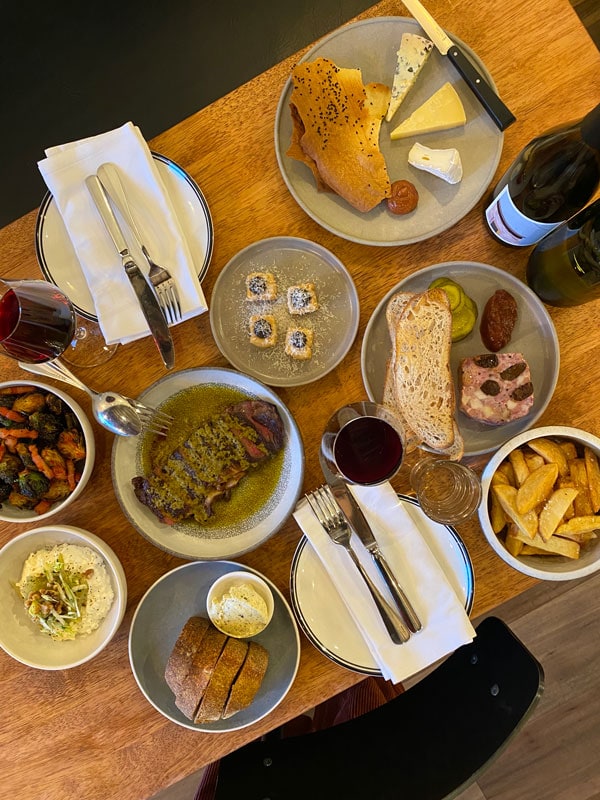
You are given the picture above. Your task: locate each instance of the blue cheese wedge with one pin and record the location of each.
(443, 110)
(446, 164)
(411, 57)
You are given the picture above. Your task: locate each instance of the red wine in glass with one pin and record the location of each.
(368, 450)
(37, 322)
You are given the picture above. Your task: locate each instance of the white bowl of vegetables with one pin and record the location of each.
(46, 451)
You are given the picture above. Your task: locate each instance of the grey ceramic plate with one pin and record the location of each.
(60, 264)
(162, 613)
(371, 45)
(291, 260)
(230, 540)
(322, 614)
(534, 336)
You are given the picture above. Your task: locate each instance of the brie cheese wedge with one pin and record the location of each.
(443, 110)
(446, 164)
(410, 59)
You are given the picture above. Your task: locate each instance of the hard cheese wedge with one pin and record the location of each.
(411, 57)
(442, 111)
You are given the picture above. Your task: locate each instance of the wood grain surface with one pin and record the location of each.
(89, 731)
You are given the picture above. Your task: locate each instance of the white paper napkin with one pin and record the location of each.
(446, 624)
(65, 169)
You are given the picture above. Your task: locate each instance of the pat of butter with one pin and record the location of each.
(446, 164)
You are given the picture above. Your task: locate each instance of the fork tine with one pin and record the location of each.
(174, 304)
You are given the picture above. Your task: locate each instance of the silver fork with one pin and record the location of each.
(333, 522)
(160, 277)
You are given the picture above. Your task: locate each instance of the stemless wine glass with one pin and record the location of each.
(38, 323)
(364, 443)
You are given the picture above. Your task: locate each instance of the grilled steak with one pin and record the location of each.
(211, 462)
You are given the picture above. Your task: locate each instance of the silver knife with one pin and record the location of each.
(144, 292)
(359, 524)
(500, 114)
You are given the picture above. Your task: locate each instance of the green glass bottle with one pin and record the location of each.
(564, 267)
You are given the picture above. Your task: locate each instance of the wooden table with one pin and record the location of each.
(89, 731)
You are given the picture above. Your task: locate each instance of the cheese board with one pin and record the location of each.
(372, 45)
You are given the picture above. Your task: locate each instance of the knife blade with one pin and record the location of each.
(497, 110)
(360, 525)
(144, 292)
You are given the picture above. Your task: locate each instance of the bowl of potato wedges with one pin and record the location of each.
(540, 508)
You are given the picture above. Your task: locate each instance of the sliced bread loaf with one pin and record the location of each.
(225, 672)
(248, 681)
(182, 655)
(189, 695)
(424, 384)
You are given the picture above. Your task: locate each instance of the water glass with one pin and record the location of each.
(448, 492)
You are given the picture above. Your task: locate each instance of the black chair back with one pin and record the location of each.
(427, 744)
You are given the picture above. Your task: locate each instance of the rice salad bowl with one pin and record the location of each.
(65, 593)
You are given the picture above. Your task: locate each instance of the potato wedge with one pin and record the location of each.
(579, 525)
(593, 477)
(506, 469)
(507, 497)
(533, 461)
(555, 545)
(513, 544)
(519, 465)
(551, 451)
(554, 510)
(569, 449)
(536, 487)
(583, 501)
(498, 518)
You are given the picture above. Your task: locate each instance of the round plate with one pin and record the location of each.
(325, 619)
(371, 45)
(291, 261)
(534, 336)
(162, 613)
(60, 264)
(189, 540)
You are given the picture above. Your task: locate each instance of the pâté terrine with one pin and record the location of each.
(495, 388)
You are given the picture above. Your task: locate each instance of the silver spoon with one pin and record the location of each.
(117, 413)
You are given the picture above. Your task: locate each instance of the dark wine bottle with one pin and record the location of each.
(552, 178)
(564, 267)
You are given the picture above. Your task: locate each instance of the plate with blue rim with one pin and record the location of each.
(58, 260)
(325, 619)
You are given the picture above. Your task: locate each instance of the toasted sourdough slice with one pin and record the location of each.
(229, 664)
(424, 385)
(188, 698)
(182, 655)
(248, 681)
(393, 312)
(336, 131)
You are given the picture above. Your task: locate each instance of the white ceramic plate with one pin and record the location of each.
(291, 261)
(371, 45)
(325, 619)
(534, 336)
(190, 540)
(19, 637)
(60, 264)
(162, 613)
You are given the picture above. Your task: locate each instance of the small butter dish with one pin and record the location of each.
(240, 604)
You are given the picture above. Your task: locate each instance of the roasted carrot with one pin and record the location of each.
(39, 461)
(42, 506)
(71, 473)
(16, 390)
(18, 433)
(13, 416)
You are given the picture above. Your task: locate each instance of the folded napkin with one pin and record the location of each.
(65, 169)
(446, 625)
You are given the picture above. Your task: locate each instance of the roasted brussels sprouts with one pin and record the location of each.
(32, 483)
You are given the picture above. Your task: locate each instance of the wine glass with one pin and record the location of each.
(38, 323)
(364, 443)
